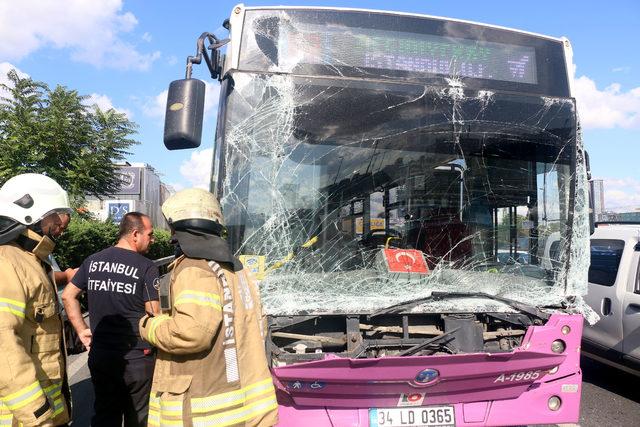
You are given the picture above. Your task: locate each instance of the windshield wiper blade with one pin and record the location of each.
(437, 296)
(524, 308)
(396, 308)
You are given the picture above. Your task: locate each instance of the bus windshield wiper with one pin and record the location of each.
(437, 296)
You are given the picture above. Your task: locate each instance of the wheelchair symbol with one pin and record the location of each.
(317, 385)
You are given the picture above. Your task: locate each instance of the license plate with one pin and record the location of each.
(421, 416)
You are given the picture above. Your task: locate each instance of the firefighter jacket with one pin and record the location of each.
(211, 367)
(33, 386)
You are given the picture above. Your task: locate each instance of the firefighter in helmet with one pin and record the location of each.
(211, 367)
(34, 391)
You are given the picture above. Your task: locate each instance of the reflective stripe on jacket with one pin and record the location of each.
(211, 368)
(32, 365)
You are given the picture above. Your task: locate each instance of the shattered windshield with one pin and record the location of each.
(328, 183)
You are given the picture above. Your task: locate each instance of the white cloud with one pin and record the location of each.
(212, 97)
(625, 69)
(92, 31)
(621, 194)
(176, 186)
(5, 67)
(607, 108)
(156, 106)
(102, 101)
(147, 37)
(105, 103)
(172, 60)
(197, 169)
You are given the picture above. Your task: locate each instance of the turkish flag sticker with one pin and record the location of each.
(405, 261)
(413, 399)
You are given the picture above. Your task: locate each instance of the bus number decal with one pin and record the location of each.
(518, 376)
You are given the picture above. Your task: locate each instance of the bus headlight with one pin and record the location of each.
(554, 403)
(565, 330)
(558, 346)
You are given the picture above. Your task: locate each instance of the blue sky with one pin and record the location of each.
(124, 53)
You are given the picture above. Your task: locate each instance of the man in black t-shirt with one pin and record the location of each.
(120, 284)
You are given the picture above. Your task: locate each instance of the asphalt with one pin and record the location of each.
(81, 389)
(610, 397)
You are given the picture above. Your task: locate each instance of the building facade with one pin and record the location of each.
(141, 191)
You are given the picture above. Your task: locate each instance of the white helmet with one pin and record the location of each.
(29, 197)
(193, 208)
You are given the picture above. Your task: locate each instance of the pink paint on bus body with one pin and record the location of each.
(490, 389)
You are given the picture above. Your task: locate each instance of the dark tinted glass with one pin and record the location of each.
(605, 259)
(400, 47)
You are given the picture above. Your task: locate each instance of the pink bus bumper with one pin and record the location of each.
(485, 389)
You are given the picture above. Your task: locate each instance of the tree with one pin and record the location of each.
(19, 121)
(86, 236)
(54, 132)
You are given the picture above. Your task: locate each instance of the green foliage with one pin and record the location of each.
(55, 133)
(161, 247)
(83, 238)
(86, 236)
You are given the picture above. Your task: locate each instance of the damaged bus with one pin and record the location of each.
(395, 182)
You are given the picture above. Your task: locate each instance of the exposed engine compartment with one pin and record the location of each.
(295, 339)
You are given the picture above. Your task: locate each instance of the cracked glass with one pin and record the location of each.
(333, 156)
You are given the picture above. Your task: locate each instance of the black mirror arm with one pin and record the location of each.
(212, 60)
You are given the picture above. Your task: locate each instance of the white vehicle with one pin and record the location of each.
(614, 293)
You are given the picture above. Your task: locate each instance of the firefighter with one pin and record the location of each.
(34, 391)
(211, 367)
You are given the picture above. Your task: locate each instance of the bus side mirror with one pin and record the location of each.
(184, 114)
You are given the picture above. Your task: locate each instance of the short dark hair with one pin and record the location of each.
(130, 222)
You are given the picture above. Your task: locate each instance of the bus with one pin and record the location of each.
(394, 181)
